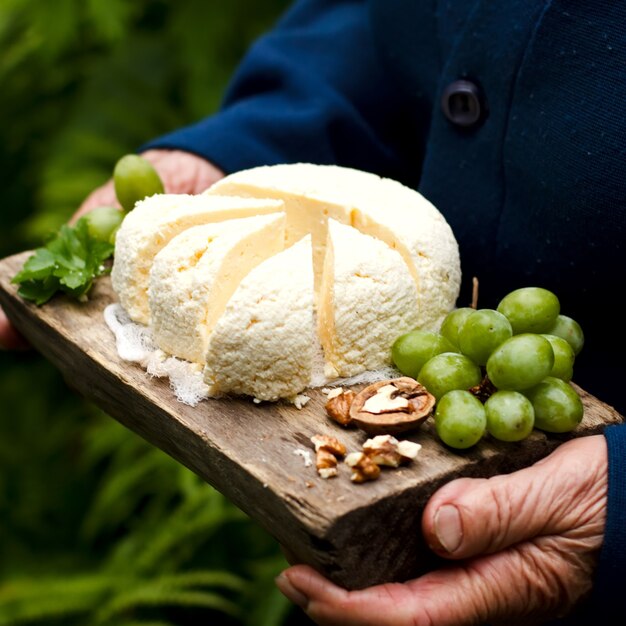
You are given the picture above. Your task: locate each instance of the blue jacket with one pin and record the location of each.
(534, 188)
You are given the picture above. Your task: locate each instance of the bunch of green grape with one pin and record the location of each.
(519, 357)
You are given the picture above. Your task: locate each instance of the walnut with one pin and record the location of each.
(363, 468)
(387, 450)
(326, 463)
(392, 406)
(330, 444)
(338, 405)
(327, 450)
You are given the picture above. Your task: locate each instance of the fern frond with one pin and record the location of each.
(52, 598)
(203, 578)
(154, 596)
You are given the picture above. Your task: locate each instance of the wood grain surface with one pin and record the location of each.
(358, 535)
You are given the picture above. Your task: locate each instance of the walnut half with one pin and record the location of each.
(338, 405)
(392, 406)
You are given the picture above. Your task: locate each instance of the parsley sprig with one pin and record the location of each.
(69, 263)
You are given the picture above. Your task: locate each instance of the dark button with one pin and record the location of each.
(463, 104)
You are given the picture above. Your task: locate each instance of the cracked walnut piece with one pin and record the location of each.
(327, 450)
(363, 468)
(387, 450)
(338, 405)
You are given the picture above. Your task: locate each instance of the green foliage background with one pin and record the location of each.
(96, 526)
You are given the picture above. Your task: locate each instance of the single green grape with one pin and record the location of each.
(103, 222)
(460, 419)
(564, 356)
(510, 416)
(530, 309)
(411, 350)
(570, 330)
(483, 331)
(520, 362)
(453, 323)
(448, 371)
(558, 408)
(134, 179)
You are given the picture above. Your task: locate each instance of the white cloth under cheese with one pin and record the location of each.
(380, 207)
(367, 299)
(152, 224)
(195, 274)
(262, 345)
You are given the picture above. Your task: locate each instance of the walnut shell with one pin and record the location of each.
(378, 409)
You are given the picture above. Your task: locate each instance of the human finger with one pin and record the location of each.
(565, 493)
(10, 338)
(102, 196)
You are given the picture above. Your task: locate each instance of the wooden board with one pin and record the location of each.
(358, 535)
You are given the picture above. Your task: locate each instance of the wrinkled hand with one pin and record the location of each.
(181, 172)
(527, 541)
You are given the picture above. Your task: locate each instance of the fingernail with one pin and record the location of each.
(448, 527)
(292, 594)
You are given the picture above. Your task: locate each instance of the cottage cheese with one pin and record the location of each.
(195, 274)
(152, 224)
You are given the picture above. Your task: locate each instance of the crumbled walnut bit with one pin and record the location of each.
(363, 468)
(338, 406)
(326, 463)
(383, 450)
(408, 450)
(333, 393)
(330, 444)
(387, 450)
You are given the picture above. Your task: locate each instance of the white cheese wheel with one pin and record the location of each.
(367, 299)
(375, 258)
(380, 207)
(262, 346)
(195, 274)
(152, 224)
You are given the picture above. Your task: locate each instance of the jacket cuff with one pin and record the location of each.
(611, 573)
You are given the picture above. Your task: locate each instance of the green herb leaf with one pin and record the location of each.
(69, 263)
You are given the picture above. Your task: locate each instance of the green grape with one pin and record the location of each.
(510, 416)
(448, 371)
(558, 408)
(484, 330)
(530, 310)
(563, 367)
(103, 222)
(520, 362)
(570, 330)
(134, 179)
(460, 419)
(453, 323)
(411, 350)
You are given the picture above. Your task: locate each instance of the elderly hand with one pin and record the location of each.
(527, 543)
(181, 172)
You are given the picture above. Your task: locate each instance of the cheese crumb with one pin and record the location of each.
(306, 455)
(300, 400)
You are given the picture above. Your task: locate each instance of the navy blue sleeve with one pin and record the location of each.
(611, 574)
(311, 90)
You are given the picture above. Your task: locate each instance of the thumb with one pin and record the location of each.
(564, 491)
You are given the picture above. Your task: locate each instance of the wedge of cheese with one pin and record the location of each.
(152, 224)
(262, 345)
(195, 274)
(382, 208)
(367, 299)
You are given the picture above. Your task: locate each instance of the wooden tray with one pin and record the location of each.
(358, 535)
